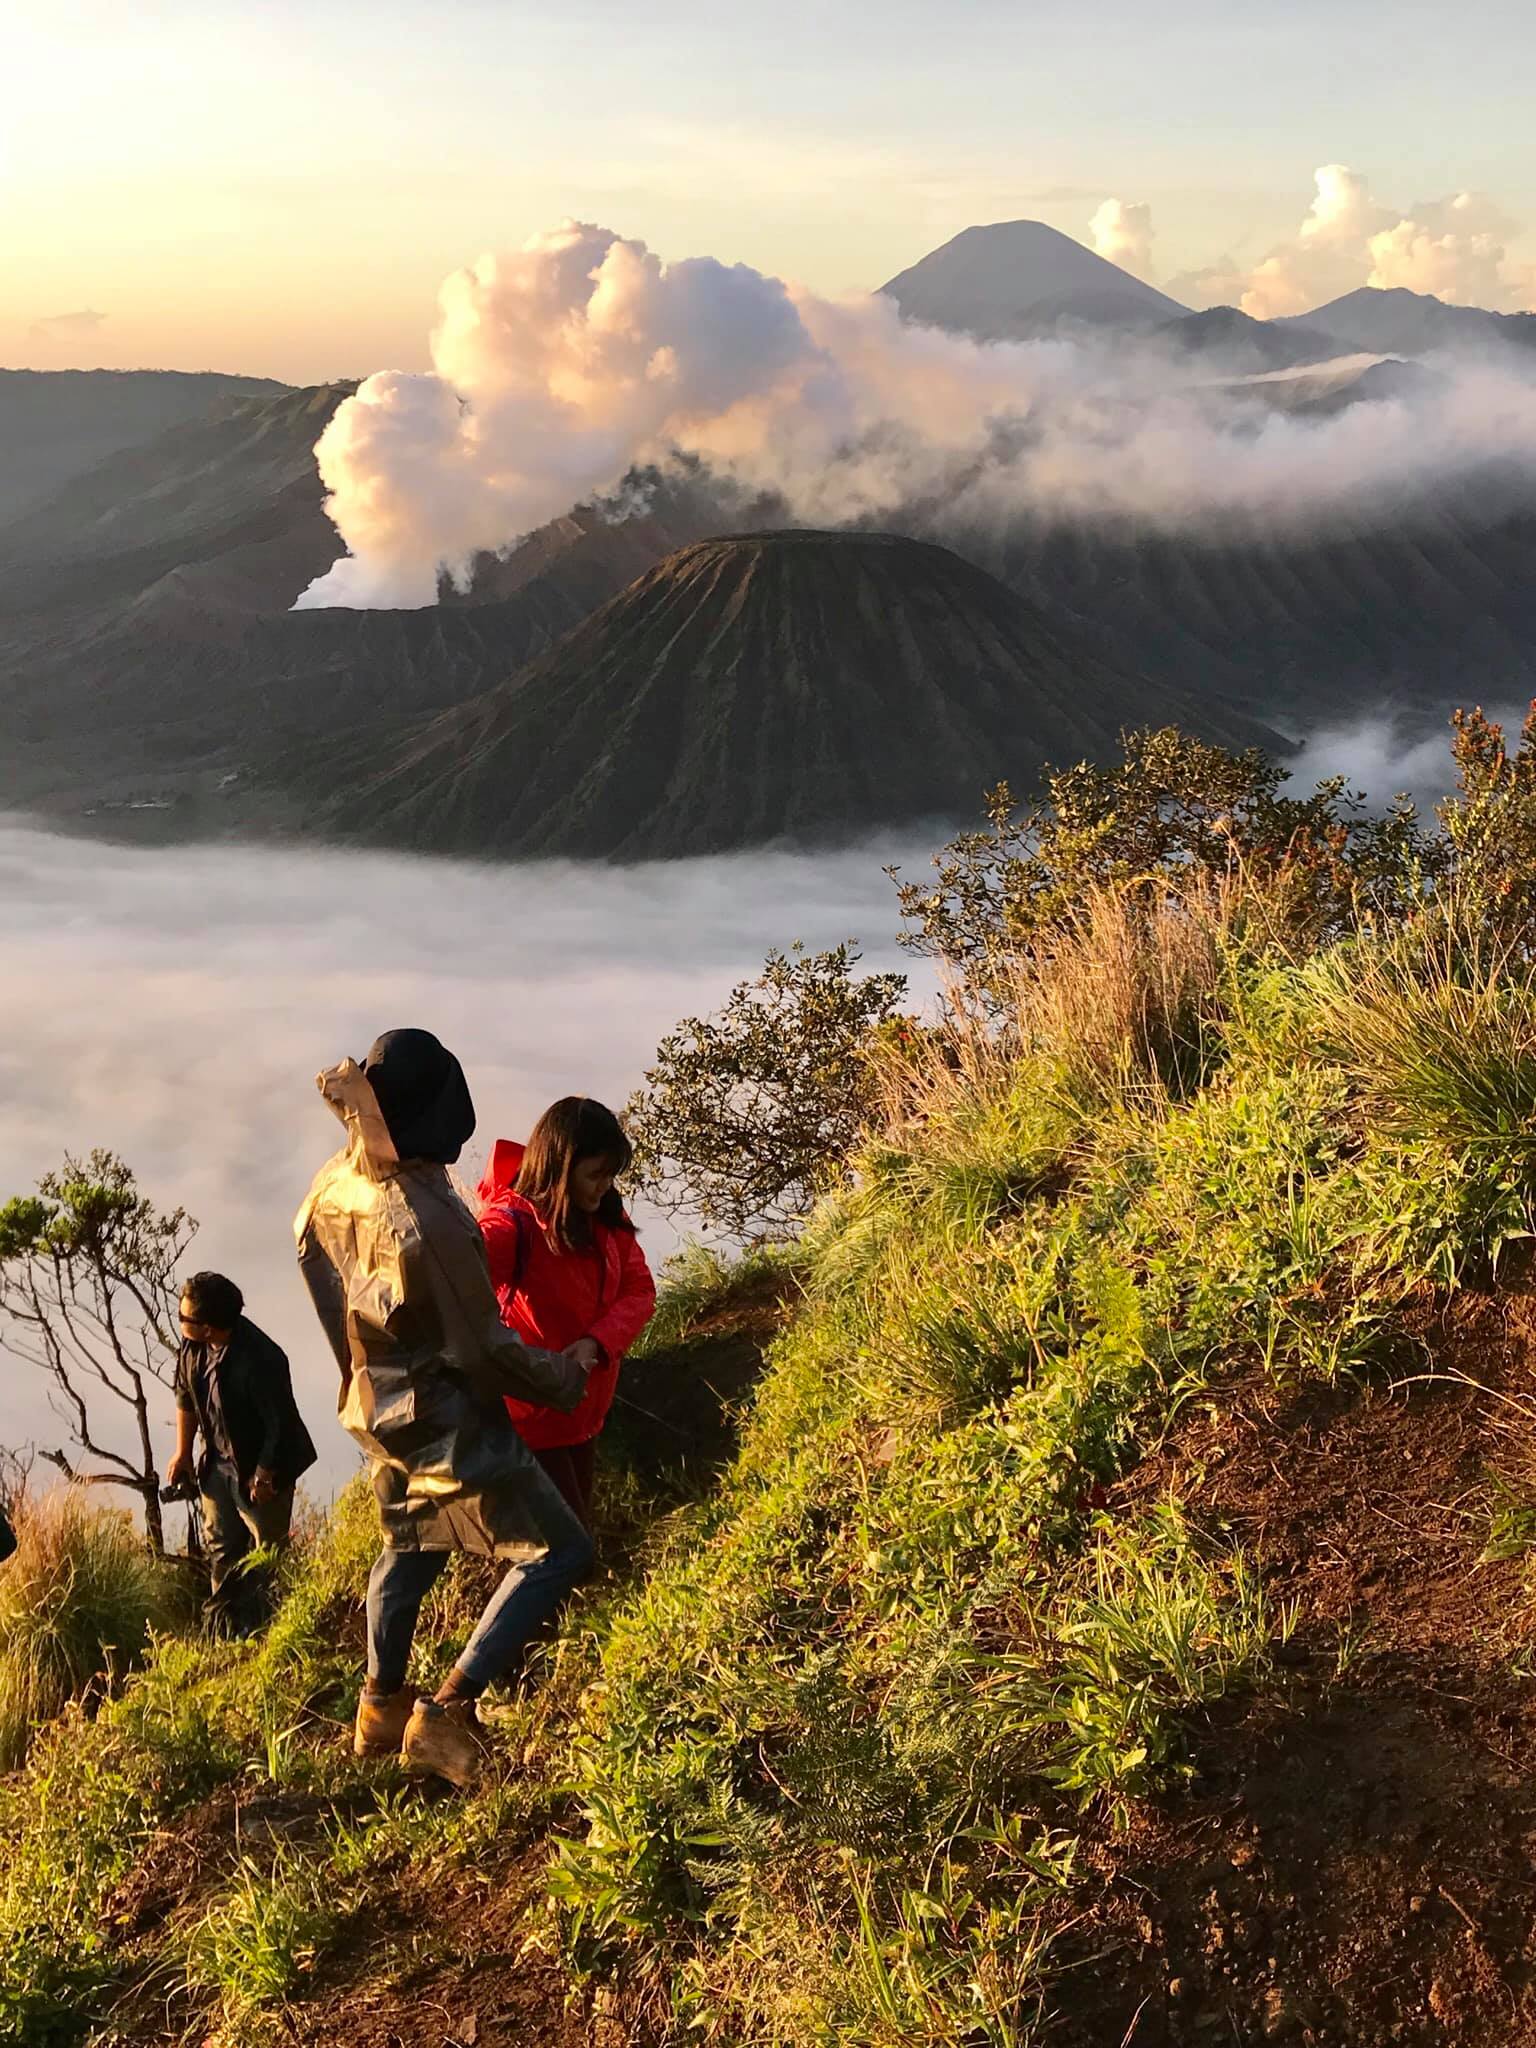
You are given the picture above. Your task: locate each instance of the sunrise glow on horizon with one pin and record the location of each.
(280, 190)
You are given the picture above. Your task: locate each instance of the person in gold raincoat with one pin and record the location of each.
(396, 1268)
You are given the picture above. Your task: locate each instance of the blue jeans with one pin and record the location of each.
(233, 1525)
(401, 1580)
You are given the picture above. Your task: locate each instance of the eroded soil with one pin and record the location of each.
(1354, 1861)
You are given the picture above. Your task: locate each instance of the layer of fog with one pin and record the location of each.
(1385, 756)
(561, 366)
(175, 1004)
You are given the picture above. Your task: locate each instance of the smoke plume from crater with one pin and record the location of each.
(561, 366)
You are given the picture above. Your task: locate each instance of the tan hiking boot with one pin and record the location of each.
(445, 1741)
(380, 1726)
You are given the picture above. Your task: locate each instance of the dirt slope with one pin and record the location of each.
(1354, 1863)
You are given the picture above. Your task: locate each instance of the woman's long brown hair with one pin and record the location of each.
(570, 1130)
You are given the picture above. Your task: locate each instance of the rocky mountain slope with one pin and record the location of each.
(209, 490)
(55, 424)
(125, 682)
(1409, 614)
(149, 656)
(803, 685)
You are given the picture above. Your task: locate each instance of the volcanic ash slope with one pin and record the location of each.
(784, 686)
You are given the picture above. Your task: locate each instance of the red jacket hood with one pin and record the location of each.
(501, 1174)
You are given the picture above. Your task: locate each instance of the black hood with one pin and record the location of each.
(422, 1095)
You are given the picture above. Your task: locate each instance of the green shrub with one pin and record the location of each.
(1175, 809)
(746, 1115)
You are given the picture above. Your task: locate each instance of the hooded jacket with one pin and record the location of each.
(552, 1297)
(396, 1269)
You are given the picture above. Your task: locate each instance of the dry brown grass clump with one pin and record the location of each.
(1114, 1006)
(77, 1604)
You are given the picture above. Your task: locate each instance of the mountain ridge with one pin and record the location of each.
(56, 424)
(1395, 320)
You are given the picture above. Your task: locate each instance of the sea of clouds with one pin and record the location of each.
(175, 1004)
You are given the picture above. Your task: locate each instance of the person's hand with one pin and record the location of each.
(585, 1352)
(263, 1485)
(179, 1470)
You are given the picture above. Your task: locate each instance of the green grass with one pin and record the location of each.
(907, 1625)
(702, 1280)
(1440, 1035)
(258, 1939)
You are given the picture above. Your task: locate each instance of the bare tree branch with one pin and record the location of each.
(88, 1297)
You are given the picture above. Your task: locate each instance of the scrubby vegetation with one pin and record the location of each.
(79, 1602)
(88, 1283)
(1113, 1625)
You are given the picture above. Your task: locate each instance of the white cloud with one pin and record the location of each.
(64, 326)
(561, 365)
(1122, 233)
(554, 365)
(1453, 248)
(548, 978)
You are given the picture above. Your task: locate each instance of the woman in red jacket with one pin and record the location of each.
(568, 1272)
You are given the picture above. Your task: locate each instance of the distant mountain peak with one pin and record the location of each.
(1391, 319)
(1236, 340)
(1017, 278)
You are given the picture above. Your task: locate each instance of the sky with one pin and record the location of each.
(279, 189)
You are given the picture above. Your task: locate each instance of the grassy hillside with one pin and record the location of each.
(1112, 1625)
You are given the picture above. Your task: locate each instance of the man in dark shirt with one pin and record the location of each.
(233, 1389)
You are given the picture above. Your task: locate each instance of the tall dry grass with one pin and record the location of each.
(1115, 1007)
(78, 1602)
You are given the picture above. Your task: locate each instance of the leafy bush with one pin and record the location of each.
(88, 1297)
(1173, 809)
(745, 1116)
(1490, 823)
